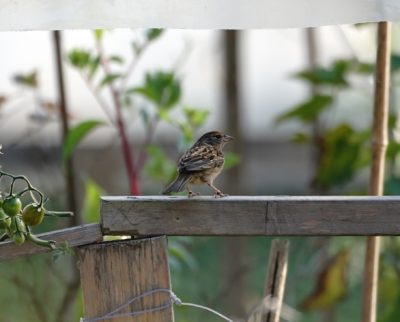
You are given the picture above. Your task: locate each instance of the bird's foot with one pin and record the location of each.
(219, 194)
(192, 194)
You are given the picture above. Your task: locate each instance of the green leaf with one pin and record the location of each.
(164, 115)
(161, 88)
(364, 68)
(332, 284)
(116, 59)
(301, 138)
(345, 152)
(231, 160)
(395, 62)
(195, 117)
(93, 65)
(308, 111)
(108, 79)
(178, 251)
(79, 58)
(153, 34)
(98, 34)
(76, 135)
(91, 202)
(159, 167)
(335, 75)
(29, 80)
(392, 150)
(392, 120)
(187, 133)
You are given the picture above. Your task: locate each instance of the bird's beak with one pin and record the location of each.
(228, 138)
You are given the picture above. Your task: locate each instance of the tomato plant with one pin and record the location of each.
(16, 221)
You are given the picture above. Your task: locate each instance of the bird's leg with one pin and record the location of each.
(191, 193)
(217, 193)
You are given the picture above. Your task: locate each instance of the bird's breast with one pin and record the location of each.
(207, 175)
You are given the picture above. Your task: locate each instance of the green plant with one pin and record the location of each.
(161, 90)
(342, 149)
(15, 222)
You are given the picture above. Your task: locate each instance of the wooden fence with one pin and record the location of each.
(114, 272)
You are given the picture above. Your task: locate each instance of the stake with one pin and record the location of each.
(276, 278)
(379, 145)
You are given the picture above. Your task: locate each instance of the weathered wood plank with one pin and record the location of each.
(75, 236)
(115, 273)
(242, 215)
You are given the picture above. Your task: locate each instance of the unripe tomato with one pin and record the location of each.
(18, 238)
(33, 214)
(5, 221)
(12, 206)
(17, 225)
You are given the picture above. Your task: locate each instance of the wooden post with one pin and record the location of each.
(113, 273)
(275, 281)
(379, 145)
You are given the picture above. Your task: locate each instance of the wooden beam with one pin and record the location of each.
(241, 215)
(75, 236)
(131, 272)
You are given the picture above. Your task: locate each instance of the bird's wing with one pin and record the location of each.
(200, 158)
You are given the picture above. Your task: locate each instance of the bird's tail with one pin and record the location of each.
(177, 185)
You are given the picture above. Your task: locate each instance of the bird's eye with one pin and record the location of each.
(218, 136)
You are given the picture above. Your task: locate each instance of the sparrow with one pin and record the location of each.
(201, 164)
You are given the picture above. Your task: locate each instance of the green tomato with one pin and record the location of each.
(17, 225)
(5, 220)
(18, 238)
(12, 206)
(33, 214)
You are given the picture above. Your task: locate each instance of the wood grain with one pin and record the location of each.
(242, 215)
(276, 279)
(112, 273)
(75, 236)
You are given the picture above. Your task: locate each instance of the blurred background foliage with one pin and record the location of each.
(324, 278)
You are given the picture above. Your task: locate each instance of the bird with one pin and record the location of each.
(201, 164)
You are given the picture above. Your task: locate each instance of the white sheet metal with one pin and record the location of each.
(193, 14)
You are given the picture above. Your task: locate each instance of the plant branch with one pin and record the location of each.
(132, 66)
(98, 99)
(126, 149)
(150, 131)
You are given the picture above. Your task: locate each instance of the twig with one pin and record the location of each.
(150, 131)
(132, 66)
(126, 149)
(98, 98)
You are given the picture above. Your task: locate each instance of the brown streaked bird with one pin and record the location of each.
(201, 164)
